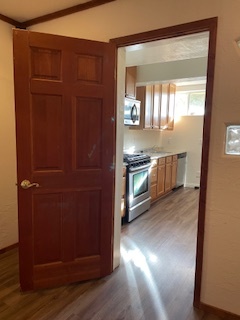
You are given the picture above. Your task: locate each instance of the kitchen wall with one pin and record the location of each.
(168, 71)
(187, 136)
(221, 256)
(140, 139)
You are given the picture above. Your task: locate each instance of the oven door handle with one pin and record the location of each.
(140, 168)
(134, 113)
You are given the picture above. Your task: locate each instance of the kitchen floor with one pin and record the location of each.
(154, 281)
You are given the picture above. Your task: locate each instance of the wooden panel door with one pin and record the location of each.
(64, 94)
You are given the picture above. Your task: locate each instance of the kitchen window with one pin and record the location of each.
(190, 103)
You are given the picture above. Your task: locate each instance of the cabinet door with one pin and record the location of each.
(153, 189)
(156, 106)
(148, 107)
(161, 180)
(168, 174)
(130, 82)
(171, 106)
(164, 106)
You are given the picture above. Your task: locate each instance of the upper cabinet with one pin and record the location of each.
(150, 96)
(130, 82)
(164, 106)
(171, 105)
(157, 106)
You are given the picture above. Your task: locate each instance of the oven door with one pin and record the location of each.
(138, 185)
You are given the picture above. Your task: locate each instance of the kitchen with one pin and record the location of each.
(169, 78)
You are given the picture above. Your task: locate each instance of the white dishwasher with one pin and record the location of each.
(181, 169)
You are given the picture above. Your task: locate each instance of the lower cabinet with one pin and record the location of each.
(123, 199)
(163, 176)
(154, 178)
(168, 174)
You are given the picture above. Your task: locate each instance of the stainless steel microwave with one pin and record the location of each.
(132, 112)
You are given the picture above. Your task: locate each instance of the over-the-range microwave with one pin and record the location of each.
(132, 112)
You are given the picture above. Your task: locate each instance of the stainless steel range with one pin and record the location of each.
(138, 184)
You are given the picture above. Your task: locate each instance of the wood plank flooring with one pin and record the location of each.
(154, 281)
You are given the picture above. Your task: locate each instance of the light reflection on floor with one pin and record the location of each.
(134, 257)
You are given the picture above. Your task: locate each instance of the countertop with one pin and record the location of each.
(162, 154)
(155, 154)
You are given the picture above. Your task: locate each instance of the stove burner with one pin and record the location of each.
(130, 157)
(136, 159)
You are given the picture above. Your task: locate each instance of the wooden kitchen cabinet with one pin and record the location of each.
(164, 107)
(158, 172)
(123, 199)
(171, 106)
(161, 177)
(153, 177)
(157, 106)
(150, 105)
(130, 82)
(171, 173)
(167, 106)
(168, 174)
(146, 105)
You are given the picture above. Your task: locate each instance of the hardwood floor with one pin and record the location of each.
(154, 281)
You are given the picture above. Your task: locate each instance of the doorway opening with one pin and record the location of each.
(197, 27)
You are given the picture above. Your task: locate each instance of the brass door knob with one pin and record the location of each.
(26, 184)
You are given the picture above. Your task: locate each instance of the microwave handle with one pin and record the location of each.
(134, 116)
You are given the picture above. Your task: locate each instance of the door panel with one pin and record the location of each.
(47, 134)
(47, 249)
(87, 143)
(64, 96)
(88, 202)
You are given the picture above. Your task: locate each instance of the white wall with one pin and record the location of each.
(156, 72)
(141, 139)
(187, 136)
(8, 190)
(221, 258)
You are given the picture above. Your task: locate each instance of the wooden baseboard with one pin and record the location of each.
(218, 312)
(13, 246)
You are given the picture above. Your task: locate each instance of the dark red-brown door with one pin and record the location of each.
(65, 129)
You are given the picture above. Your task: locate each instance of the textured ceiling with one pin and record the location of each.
(174, 49)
